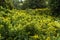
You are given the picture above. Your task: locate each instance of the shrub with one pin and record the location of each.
(21, 25)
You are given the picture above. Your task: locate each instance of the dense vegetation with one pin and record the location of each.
(40, 23)
(55, 7)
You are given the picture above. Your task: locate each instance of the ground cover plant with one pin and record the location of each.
(28, 25)
(21, 21)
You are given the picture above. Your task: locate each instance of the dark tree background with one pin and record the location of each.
(30, 4)
(35, 3)
(55, 7)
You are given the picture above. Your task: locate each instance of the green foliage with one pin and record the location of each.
(32, 24)
(7, 4)
(55, 7)
(29, 4)
(29, 24)
(35, 4)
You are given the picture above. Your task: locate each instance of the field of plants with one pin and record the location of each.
(29, 24)
(29, 19)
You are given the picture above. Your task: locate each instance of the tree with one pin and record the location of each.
(35, 4)
(29, 4)
(55, 7)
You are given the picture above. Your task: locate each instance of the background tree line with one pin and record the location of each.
(54, 5)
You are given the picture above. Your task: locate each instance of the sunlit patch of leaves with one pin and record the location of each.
(24, 25)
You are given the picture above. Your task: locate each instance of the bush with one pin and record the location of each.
(21, 25)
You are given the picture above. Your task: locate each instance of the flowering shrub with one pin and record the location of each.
(28, 25)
